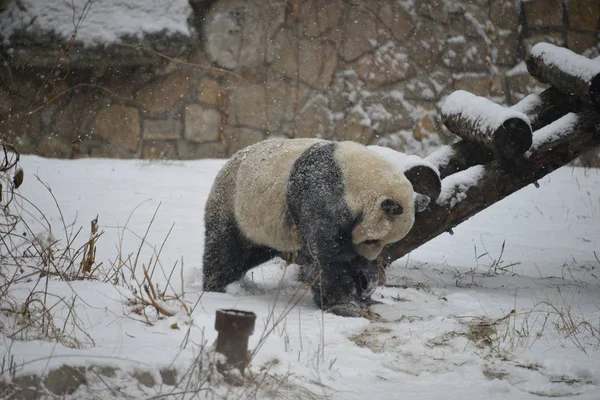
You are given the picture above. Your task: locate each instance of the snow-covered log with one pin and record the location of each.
(566, 71)
(424, 176)
(503, 131)
(541, 110)
(468, 192)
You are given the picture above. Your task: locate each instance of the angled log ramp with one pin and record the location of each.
(475, 173)
(556, 145)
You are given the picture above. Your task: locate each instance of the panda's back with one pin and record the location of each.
(261, 191)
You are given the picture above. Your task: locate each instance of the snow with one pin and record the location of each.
(528, 104)
(484, 114)
(402, 161)
(570, 63)
(532, 249)
(456, 186)
(551, 132)
(441, 156)
(97, 21)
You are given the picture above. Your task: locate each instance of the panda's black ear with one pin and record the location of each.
(391, 207)
(421, 202)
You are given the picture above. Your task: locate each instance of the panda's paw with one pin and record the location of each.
(353, 310)
(370, 302)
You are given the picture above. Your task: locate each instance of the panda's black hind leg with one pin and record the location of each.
(228, 255)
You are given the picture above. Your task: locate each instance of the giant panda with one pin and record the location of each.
(338, 203)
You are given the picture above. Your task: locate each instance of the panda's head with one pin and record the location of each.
(382, 200)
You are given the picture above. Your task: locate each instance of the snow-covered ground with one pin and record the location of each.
(448, 328)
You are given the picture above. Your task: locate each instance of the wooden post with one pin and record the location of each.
(566, 71)
(235, 328)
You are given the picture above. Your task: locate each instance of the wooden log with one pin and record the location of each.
(423, 175)
(503, 131)
(547, 107)
(567, 71)
(553, 146)
(541, 110)
(458, 157)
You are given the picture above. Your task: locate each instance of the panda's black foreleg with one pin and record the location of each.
(341, 279)
(228, 255)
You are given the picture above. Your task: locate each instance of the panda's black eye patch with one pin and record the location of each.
(372, 241)
(391, 207)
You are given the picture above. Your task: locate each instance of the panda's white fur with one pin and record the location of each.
(261, 190)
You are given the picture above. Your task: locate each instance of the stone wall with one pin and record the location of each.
(370, 71)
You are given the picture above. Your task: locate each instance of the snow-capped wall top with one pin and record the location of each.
(570, 63)
(486, 115)
(100, 21)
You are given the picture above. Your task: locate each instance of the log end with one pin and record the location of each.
(512, 138)
(425, 181)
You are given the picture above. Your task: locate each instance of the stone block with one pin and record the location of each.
(65, 380)
(21, 130)
(543, 13)
(168, 376)
(195, 151)
(388, 64)
(387, 113)
(360, 34)
(202, 124)
(75, 120)
(329, 14)
(580, 42)
(28, 387)
(485, 85)
(426, 44)
(119, 125)
(437, 10)
(395, 18)
(314, 121)
(53, 146)
(507, 46)
(240, 138)
(212, 93)
(283, 102)
(248, 106)
(522, 84)
(145, 378)
(504, 14)
(237, 32)
(351, 128)
(584, 15)
(465, 56)
(162, 93)
(311, 61)
(160, 150)
(161, 129)
(556, 38)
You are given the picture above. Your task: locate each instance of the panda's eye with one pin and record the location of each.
(371, 242)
